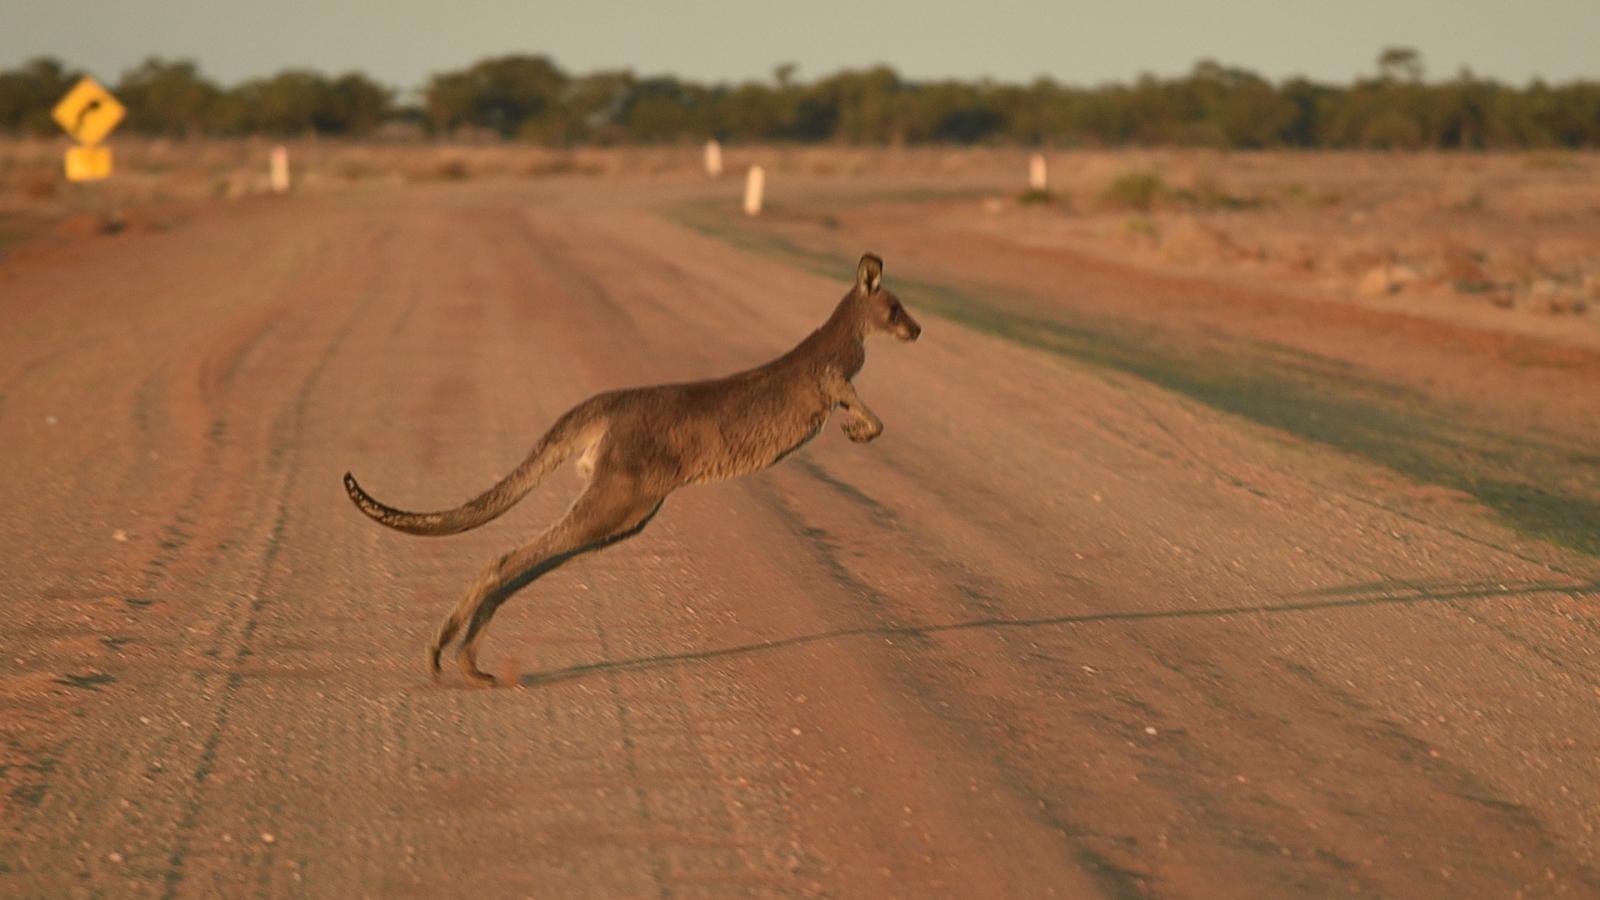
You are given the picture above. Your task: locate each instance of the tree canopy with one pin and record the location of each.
(529, 97)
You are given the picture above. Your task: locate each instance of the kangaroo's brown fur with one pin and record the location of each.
(640, 445)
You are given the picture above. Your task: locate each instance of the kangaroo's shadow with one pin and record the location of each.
(1375, 593)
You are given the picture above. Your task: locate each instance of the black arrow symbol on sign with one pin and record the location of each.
(89, 107)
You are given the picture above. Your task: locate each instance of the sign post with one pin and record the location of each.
(713, 158)
(755, 183)
(278, 170)
(89, 113)
(1038, 177)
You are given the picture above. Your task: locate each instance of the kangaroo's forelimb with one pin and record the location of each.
(863, 424)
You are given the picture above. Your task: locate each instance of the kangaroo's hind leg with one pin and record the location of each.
(610, 509)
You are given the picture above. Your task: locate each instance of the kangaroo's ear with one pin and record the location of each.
(869, 274)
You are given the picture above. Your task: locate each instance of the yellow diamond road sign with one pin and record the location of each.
(88, 112)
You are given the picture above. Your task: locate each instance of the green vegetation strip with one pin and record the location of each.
(1541, 489)
(531, 97)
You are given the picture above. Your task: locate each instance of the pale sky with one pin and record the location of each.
(400, 42)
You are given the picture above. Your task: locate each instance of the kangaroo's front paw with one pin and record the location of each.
(861, 432)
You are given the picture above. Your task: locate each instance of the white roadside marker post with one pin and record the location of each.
(280, 170)
(754, 184)
(1038, 179)
(713, 159)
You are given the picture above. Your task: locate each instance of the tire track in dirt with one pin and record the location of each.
(201, 407)
(918, 671)
(929, 482)
(232, 650)
(201, 412)
(202, 427)
(1113, 879)
(1100, 850)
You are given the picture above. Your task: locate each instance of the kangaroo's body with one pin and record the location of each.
(637, 446)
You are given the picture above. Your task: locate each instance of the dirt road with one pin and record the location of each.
(1061, 631)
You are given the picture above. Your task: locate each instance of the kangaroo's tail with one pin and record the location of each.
(578, 428)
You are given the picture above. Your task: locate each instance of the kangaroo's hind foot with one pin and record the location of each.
(467, 660)
(610, 509)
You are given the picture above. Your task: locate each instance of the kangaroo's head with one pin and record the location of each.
(881, 310)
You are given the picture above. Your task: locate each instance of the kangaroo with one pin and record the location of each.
(636, 446)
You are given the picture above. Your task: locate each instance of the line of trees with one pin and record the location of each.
(529, 97)
(166, 97)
